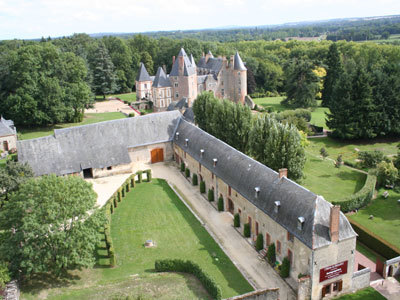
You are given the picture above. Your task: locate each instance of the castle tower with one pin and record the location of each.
(143, 84)
(162, 91)
(183, 78)
(239, 79)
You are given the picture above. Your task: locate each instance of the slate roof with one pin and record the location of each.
(244, 174)
(213, 64)
(96, 145)
(161, 79)
(188, 67)
(143, 75)
(189, 115)
(7, 127)
(238, 63)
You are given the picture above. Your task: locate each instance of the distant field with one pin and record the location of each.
(31, 133)
(348, 150)
(334, 184)
(386, 221)
(317, 116)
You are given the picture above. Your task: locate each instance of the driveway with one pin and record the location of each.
(244, 256)
(111, 106)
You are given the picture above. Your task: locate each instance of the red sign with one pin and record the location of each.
(333, 271)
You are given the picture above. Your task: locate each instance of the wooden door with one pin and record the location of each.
(231, 207)
(5, 146)
(157, 155)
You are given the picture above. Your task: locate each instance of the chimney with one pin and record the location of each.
(173, 59)
(181, 64)
(282, 173)
(232, 62)
(334, 223)
(165, 69)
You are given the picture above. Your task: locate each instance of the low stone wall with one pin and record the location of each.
(304, 289)
(361, 279)
(392, 267)
(12, 291)
(264, 294)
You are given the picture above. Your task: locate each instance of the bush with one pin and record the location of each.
(148, 174)
(132, 181)
(271, 255)
(4, 274)
(259, 242)
(303, 113)
(111, 208)
(187, 266)
(122, 192)
(246, 230)
(370, 159)
(139, 174)
(285, 268)
(374, 242)
(339, 161)
(220, 204)
(387, 173)
(115, 201)
(131, 115)
(111, 254)
(187, 173)
(323, 152)
(202, 187)
(210, 195)
(127, 186)
(359, 199)
(194, 179)
(183, 167)
(350, 164)
(236, 220)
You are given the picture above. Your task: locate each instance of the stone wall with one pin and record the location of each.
(304, 289)
(111, 170)
(264, 294)
(361, 279)
(392, 267)
(142, 154)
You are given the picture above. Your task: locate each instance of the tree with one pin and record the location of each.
(334, 70)
(104, 77)
(277, 146)
(48, 227)
(12, 176)
(387, 173)
(251, 81)
(259, 242)
(302, 84)
(4, 274)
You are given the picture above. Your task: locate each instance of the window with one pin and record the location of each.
(222, 83)
(250, 223)
(168, 93)
(199, 167)
(278, 247)
(176, 95)
(300, 223)
(109, 168)
(184, 154)
(223, 92)
(176, 84)
(212, 176)
(290, 237)
(256, 228)
(290, 257)
(332, 287)
(277, 205)
(238, 73)
(239, 211)
(267, 239)
(162, 103)
(229, 190)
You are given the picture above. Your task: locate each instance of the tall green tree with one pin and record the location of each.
(48, 227)
(104, 77)
(301, 84)
(11, 177)
(334, 70)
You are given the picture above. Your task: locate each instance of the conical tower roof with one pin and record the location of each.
(161, 79)
(143, 75)
(238, 64)
(192, 60)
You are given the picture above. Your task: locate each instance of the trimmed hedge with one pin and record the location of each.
(220, 204)
(194, 179)
(271, 254)
(210, 195)
(139, 174)
(132, 181)
(359, 199)
(246, 230)
(127, 186)
(236, 220)
(183, 167)
(111, 254)
(148, 174)
(119, 196)
(187, 173)
(376, 243)
(122, 192)
(202, 187)
(187, 266)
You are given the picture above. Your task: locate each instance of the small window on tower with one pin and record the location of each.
(176, 84)
(238, 73)
(176, 95)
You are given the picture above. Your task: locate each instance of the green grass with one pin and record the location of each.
(31, 133)
(317, 115)
(347, 148)
(366, 294)
(366, 251)
(334, 184)
(149, 211)
(386, 221)
(126, 97)
(3, 163)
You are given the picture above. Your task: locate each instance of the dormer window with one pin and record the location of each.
(277, 206)
(201, 153)
(186, 142)
(177, 136)
(257, 189)
(215, 162)
(300, 223)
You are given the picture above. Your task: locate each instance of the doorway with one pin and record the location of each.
(88, 173)
(231, 207)
(157, 155)
(5, 146)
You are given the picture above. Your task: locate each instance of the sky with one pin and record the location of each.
(27, 19)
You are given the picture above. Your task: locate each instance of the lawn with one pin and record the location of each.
(317, 116)
(151, 211)
(366, 294)
(31, 133)
(360, 247)
(386, 221)
(334, 184)
(348, 150)
(126, 97)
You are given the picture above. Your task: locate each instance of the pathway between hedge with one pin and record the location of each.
(241, 253)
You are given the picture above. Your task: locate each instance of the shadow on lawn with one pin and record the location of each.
(42, 282)
(224, 264)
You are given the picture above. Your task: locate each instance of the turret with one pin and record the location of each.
(143, 84)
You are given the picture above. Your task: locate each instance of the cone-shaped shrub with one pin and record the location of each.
(148, 174)
(194, 179)
(139, 174)
(119, 196)
(182, 167)
(236, 220)
(220, 204)
(202, 187)
(187, 172)
(246, 230)
(210, 195)
(133, 181)
(259, 242)
(115, 202)
(285, 268)
(271, 255)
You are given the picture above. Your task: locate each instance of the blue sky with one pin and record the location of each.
(35, 18)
